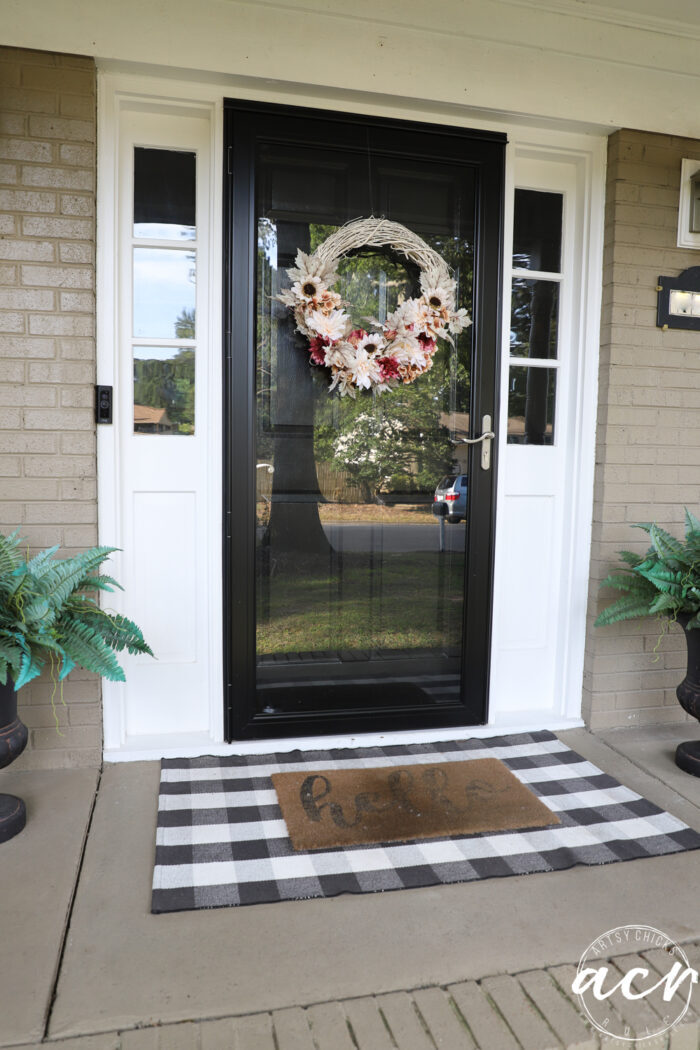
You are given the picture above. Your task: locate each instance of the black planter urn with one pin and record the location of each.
(13, 740)
(688, 693)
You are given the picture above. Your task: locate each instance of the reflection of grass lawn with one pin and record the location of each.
(400, 514)
(402, 601)
(371, 513)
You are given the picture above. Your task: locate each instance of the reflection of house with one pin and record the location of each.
(149, 420)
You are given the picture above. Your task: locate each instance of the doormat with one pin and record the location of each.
(352, 807)
(221, 839)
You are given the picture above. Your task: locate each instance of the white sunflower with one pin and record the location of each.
(373, 343)
(312, 287)
(438, 290)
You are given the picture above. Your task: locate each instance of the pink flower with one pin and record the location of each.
(428, 344)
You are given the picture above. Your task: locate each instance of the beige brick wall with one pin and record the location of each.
(648, 440)
(47, 349)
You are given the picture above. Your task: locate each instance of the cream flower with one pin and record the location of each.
(403, 316)
(308, 266)
(332, 326)
(343, 382)
(364, 370)
(459, 321)
(408, 350)
(340, 355)
(429, 322)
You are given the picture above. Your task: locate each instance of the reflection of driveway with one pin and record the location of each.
(394, 538)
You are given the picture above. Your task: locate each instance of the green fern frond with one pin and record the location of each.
(119, 632)
(63, 577)
(627, 608)
(84, 645)
(664, 603)
(8, 552)
(38, 565)
(631, 558)
(31, 667)
(667, 547)
(628, 582)
(692, 524)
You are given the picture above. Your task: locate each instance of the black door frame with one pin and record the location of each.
(485, 153)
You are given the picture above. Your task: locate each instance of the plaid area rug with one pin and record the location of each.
(221, 839)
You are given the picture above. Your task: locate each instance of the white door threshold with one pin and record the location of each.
(190, 745)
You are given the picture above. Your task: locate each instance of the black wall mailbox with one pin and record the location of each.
(103, 404)
(678, 304)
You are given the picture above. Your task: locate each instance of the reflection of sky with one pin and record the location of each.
(164, 231)
(267, 240)
(158, 353)
(164, 286)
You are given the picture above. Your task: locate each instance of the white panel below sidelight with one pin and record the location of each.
(528, 529)
(164, 589)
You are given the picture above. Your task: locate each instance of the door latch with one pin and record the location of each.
(486, 437)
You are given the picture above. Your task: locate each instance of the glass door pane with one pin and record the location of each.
(359, 588)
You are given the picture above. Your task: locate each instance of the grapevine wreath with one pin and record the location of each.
(396, 351)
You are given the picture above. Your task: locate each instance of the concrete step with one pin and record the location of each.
(533, 1010)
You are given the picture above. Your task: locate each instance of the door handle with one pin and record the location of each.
(485, 438)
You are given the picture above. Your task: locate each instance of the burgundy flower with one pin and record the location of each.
(389, 367)
(317, 350)
(428, 344)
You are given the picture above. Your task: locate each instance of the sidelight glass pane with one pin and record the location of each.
(164, 293)
(537, 228)
(359, 588)
(163, 390)
(533, 318)
(531, 404)
(164, 194)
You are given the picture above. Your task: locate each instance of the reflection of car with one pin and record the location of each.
(452, 492)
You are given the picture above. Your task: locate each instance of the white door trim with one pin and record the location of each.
(118, 92)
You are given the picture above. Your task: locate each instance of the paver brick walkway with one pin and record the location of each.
(534, 1010)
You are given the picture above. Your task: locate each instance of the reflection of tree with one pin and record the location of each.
(168, 384)
(534, 330)
(184, 324)
(393, 440)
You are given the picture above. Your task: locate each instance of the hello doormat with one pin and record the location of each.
(222, 840)
(346, 807)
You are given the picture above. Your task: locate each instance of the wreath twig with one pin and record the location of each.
(397, 350)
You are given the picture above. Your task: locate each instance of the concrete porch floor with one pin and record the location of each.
(85, 966)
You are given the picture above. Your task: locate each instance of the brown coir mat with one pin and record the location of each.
(351, 807)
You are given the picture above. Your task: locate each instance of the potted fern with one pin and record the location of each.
(50, 616)
(665, 582)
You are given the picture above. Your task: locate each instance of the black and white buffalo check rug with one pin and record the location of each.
(221, 839)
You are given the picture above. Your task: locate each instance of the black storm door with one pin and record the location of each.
(350, 605)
